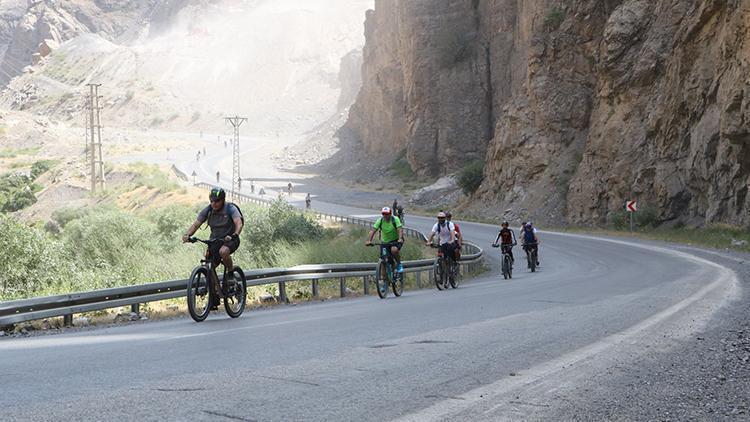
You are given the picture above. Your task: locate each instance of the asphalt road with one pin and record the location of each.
(490, 350)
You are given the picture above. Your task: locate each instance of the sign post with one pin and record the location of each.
(194, 174)
(631, 207)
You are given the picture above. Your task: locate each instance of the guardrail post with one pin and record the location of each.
(366, 285)
(282, 292)
(68, 320)
(419, 279)
(135, 307)
(342, 286)
(315, 291)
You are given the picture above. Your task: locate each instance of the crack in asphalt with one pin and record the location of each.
(228, 416)
(440, 396)
(288, 380)
(382, 346)
(433, 342)
(179, 389)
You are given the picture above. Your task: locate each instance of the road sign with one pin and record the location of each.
(631, 206)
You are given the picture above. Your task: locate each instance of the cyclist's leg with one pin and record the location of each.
(396, 251)
(226, 252)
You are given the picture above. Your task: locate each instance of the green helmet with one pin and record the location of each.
(217, 194)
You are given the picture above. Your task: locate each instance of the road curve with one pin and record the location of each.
(491, 349)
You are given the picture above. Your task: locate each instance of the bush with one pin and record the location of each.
(31, 262)
(40, 167)
(555, 17)
(471, 176)
(401, 168)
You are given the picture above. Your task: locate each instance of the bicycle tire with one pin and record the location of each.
(241, 295)
(455, 275)
(381, 280)
(505, 267)
(437, 268)
(199, 285)
(510, 268)
(398, 284)
(533, 261)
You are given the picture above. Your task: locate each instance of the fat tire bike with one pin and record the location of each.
(531, 255)
(507, 262)
(386, 274)
(202, 286)
(445, 270)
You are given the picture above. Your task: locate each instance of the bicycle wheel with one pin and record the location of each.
(510, 266)
(437, 270)
(236, 294)
(199, 294)
(532, 257)
(398, 284)
(381, 279)
(506, 268)
(455, 274)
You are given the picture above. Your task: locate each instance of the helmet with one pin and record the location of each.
(441, 215)
(217, 194)
(448, 214)
(529, 223)
(385, 211)
(505, 223)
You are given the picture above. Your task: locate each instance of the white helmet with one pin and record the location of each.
(385, 211)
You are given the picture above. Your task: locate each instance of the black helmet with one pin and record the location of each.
(217, 194)
(505, 223)
(448, 214)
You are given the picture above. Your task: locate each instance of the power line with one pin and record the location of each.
(236, 122)
(95, 141)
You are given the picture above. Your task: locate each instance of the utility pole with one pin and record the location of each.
(236, 123)
(95, 141)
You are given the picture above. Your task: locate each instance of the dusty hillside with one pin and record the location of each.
(183, 65)
(575, 106)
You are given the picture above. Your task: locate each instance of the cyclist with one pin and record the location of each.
(308, 201)
(392, 234)
(506, 239)
(530, 239)
(289, 188)
(446, 232)
(225, 221)
(459, 237)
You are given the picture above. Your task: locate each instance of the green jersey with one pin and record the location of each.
(388, 229)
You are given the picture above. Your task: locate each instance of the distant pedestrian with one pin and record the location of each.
(252, 186)
(225, 144)
(204, 151)
(308, 201)
(289, 188)
(217, 177)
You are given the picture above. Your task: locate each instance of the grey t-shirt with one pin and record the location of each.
(221, 221)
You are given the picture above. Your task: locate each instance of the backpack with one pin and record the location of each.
(211, 210)
(449, 224)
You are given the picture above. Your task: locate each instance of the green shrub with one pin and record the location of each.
(32, 261)
(555, 17)
(40, 167)
(150, 176)
(401, 168)
(471, 176)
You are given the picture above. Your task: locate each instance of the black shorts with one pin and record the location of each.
(213, 250)
(389, 245)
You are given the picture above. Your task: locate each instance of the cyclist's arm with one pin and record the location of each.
(460, 238)
(191, 231)
(238, 225)
(497, 240)
(401, 234)
(515, 241)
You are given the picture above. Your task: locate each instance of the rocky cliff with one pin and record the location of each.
(31, 29)
(575, 106)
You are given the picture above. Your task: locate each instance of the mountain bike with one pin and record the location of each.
(445, 269)
(204, 283)
(531, 254)
(507, 261)
(386, 274)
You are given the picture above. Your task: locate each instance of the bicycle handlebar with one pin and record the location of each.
(207, 242)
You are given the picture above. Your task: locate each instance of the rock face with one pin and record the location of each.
(30, 30)
(576, 106)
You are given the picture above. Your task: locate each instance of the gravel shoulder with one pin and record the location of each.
(704, 377)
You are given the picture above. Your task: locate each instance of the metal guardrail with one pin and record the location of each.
(13, 312)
